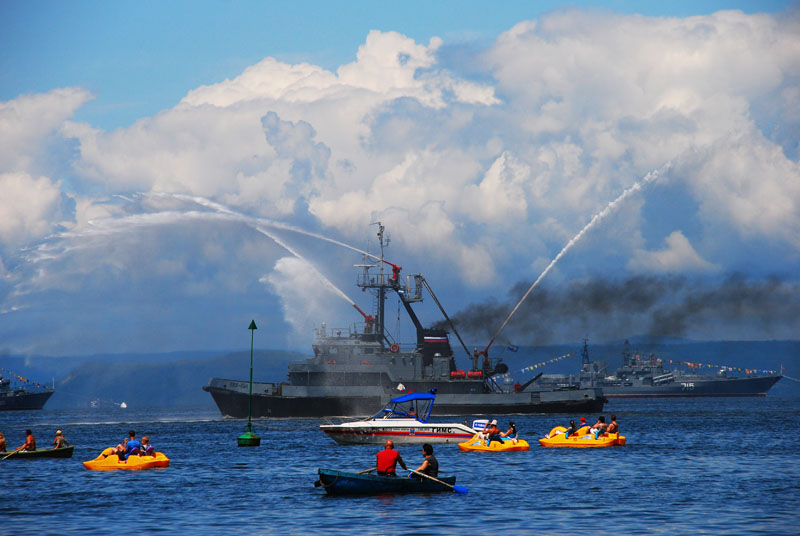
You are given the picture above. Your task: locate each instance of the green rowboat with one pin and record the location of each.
(64, 452)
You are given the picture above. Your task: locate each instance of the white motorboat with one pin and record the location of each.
(404, 420)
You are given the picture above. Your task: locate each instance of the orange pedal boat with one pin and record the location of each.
(479, 444)
(107, 461)
(582, 438)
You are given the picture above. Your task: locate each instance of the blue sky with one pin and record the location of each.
(159, 158)
(139, 58)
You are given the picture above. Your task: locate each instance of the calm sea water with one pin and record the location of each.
(712, 466)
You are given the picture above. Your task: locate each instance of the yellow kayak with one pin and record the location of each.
(107, 461)
(582, 438)
(479, 444)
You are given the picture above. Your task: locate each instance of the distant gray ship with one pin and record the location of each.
(13, 398)
(355, 370)
(647, 378)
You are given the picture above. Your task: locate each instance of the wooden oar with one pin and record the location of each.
(457, 489)
(318, 483)
(7, 457)
(366, 471)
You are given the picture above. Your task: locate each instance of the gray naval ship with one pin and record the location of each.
(21, 398)
(356, 370)
(647, 378)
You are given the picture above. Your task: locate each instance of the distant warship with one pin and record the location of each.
(356, 370)
(647, 378)
(20, 397)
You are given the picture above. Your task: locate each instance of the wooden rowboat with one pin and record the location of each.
(347, 483)
(64, 452)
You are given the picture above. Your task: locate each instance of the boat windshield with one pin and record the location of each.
(417, 408)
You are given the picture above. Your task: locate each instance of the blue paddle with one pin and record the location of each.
(457, 489)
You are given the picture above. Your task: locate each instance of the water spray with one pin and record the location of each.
(259, 226)
(650, 177)
(271, 223)
(108, 227)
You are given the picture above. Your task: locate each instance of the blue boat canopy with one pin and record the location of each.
(413, 405)
(414, 396)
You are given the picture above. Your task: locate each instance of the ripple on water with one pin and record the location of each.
(689, 467)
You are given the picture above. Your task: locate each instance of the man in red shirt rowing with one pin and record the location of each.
(388, 458)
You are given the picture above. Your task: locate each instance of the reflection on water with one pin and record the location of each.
(690, 466)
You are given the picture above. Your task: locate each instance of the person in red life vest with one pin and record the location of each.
(388, 458)
(30, 442)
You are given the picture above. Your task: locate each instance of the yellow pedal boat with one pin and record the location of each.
(582, 438)
(107, 461)
(479, 444)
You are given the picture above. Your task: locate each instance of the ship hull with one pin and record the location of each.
(24, 401)
(234, 403)
(700, 387)
(485, 405)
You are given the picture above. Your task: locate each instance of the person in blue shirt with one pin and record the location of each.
(130, 446)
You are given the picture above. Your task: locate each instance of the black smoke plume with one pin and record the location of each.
(736, 309)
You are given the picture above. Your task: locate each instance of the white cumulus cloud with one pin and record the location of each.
(481, 172)
(29, 207)
(29, 121)
(677, 257)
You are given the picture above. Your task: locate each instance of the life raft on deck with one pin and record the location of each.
(505, 444)
(582, 438)
(107, 461)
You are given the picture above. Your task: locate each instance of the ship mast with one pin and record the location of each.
(383, 241)
(626, 355)
(382, 282)
(407, 294)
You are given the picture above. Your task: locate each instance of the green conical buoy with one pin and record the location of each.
(249, 439)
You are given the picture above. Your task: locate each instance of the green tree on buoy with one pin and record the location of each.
(249, 439)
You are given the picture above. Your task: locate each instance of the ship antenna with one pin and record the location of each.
(381, 243)
(381, 285)
(626, 354)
